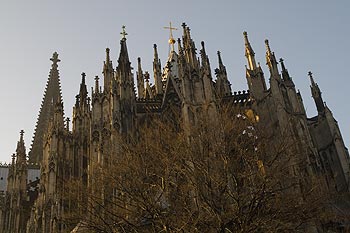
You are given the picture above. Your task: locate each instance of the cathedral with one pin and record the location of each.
(63, 149)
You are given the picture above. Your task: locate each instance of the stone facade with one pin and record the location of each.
(185, 84)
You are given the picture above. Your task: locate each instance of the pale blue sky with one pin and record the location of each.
(309, 35)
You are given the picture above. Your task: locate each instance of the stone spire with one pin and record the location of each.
(285, 74)
(189, 47)
(157, 72)
(124, 69)
(107, 71)
(271, 59)
(204, 57)
(126, 89)
(206, 75)
(21, 164)
(316, 94)
(52, 94)
(254, 73)
(140, 79)
(223, 85)
(249, 52)
(83, 94)
(221, 65)
(21, 150)
(81, 110)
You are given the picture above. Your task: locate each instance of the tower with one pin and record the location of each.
(51, 95)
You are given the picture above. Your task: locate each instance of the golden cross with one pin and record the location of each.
(123, 33)
(171, 39)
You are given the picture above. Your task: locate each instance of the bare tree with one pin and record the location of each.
(218, 176)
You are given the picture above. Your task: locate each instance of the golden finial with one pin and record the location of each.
(123, 33)
(171, 38)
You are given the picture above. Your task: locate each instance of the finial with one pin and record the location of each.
(171, 38)
(96, 83)
(123, 33)
(219, 58)
(155, 52)
(147, 76)
(21, 133)
(282, 64)
(107, 55)
(311, 78)
(310, 74)
(139, 68)
(245, 34)
(13, 158)
(184, 25)
(54, 58)
(83, 78)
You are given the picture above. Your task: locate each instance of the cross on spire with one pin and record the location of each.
(310, 74)
(54, 58)
(123, 33)
(21, 133)
(171, 38)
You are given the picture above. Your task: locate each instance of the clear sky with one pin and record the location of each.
(309, 35)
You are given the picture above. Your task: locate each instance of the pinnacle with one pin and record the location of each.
(245, 34)
(21, 133)
(54, 58)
